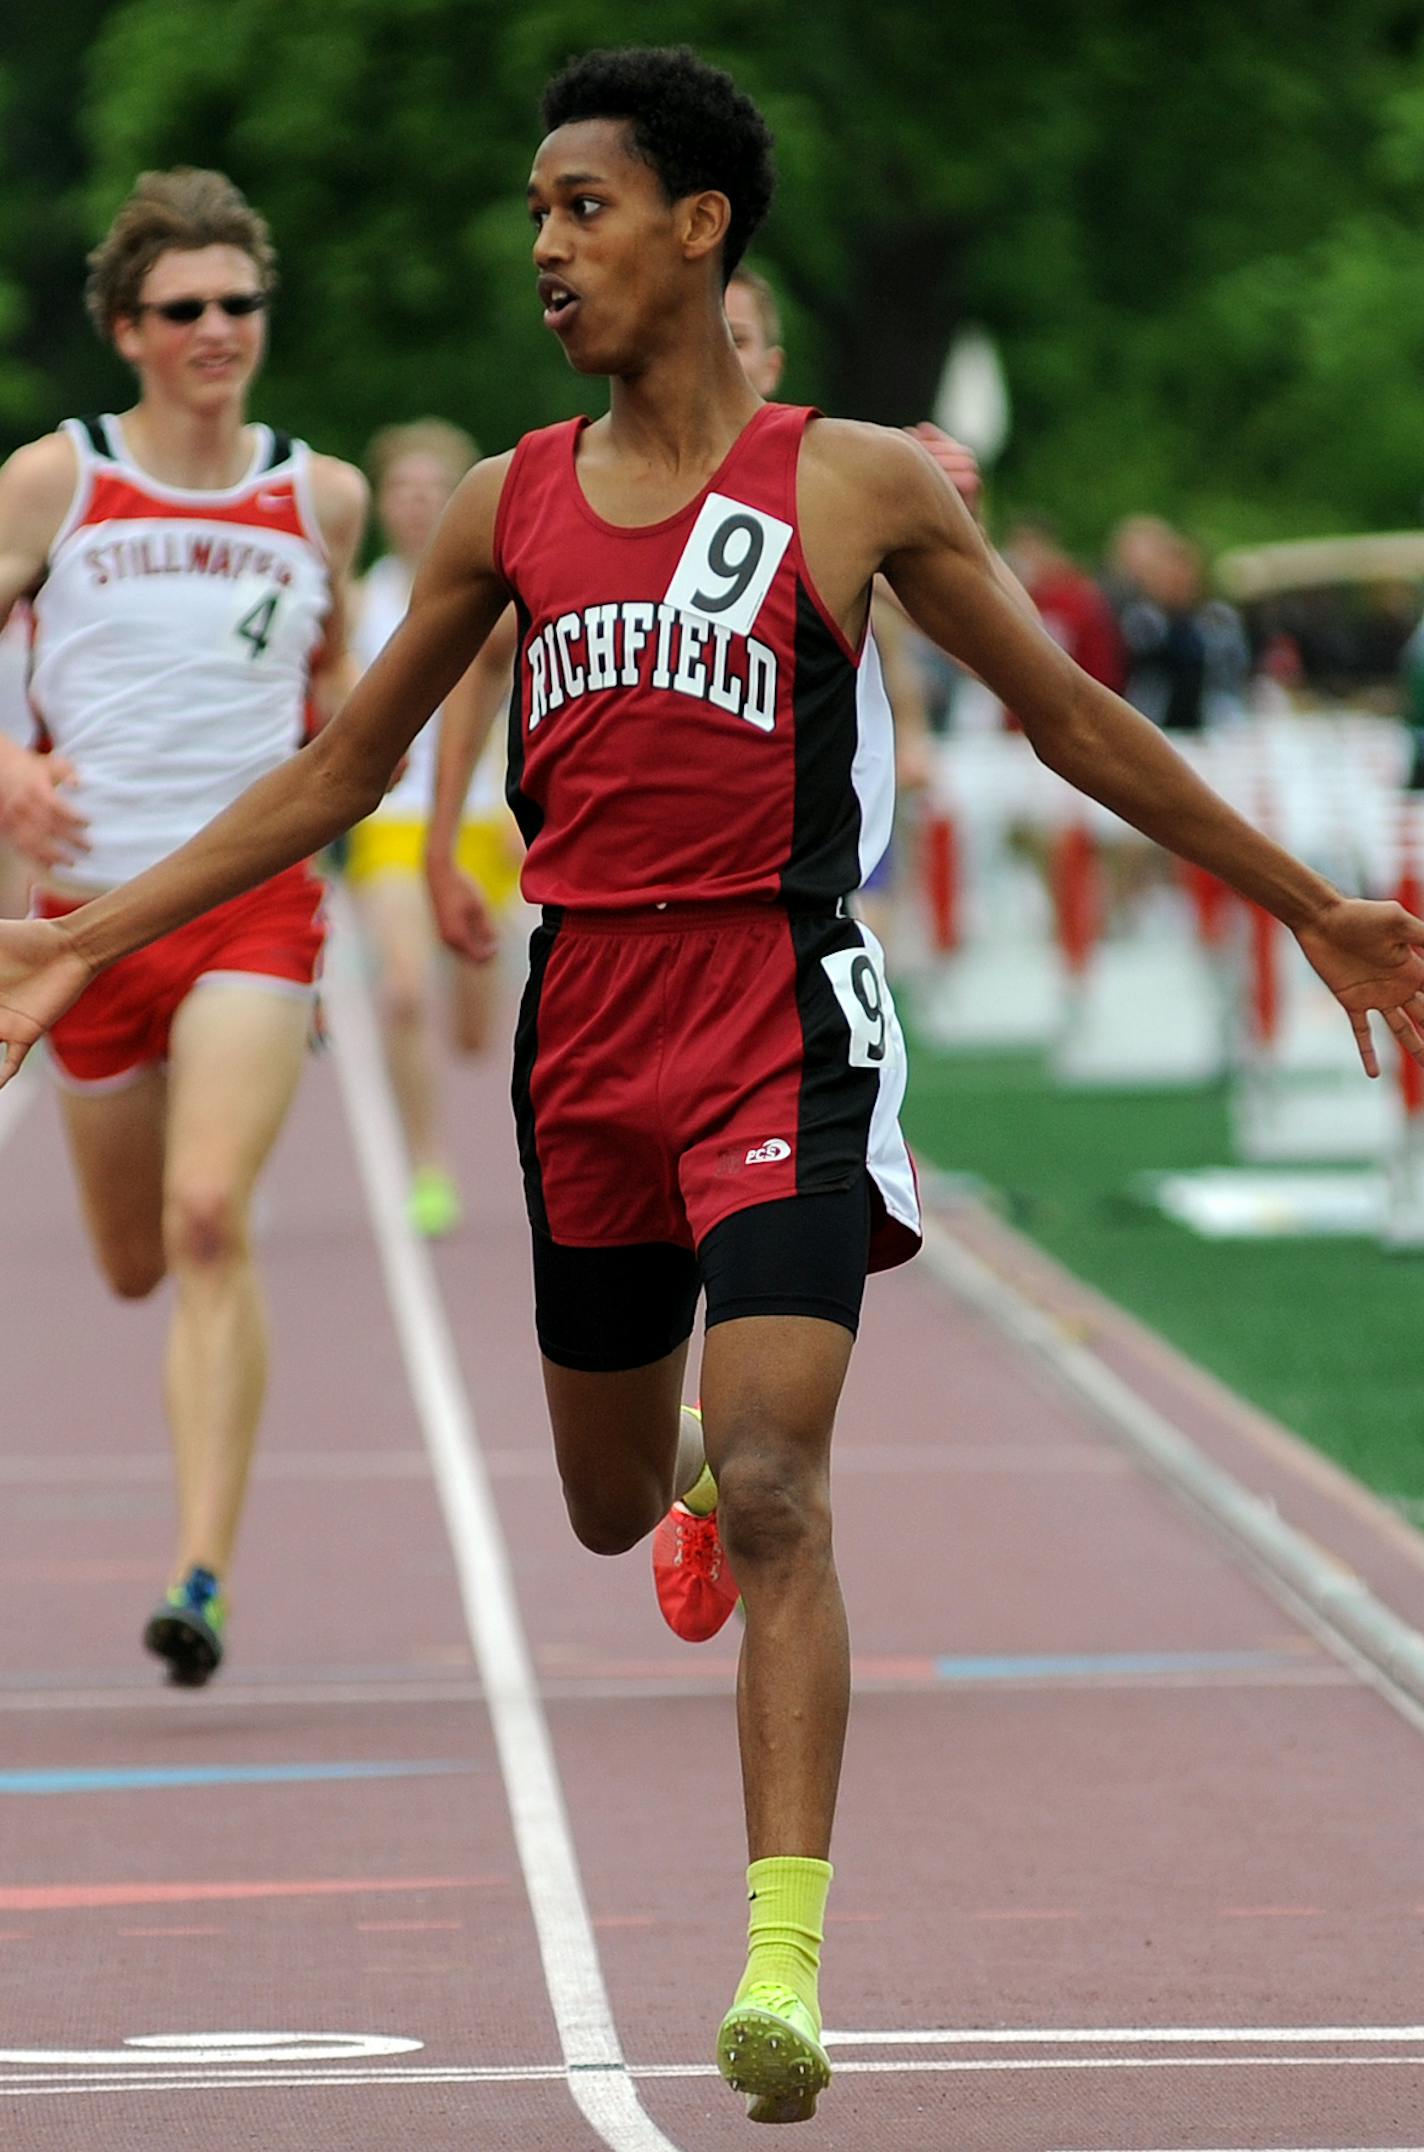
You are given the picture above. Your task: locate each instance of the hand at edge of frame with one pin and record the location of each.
(1371, 956)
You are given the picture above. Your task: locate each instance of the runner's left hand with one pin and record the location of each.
(1371, 956)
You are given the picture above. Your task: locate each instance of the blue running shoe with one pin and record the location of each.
(187, 1628)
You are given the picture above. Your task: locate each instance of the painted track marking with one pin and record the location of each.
(895, 1460)
(1140, 2036)
(152, 1778)
(151, 2049)
(72, 1897)
(596, 2072)
(599, 1688)
(201, 2078)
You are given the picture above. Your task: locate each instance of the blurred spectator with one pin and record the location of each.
(1411, 682)
(1188, 655)
(1070, 604)
(1133, 545)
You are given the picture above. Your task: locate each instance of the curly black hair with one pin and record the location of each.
(689, 122)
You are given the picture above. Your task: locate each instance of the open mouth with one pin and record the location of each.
(560, 304)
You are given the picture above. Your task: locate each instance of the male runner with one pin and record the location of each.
(184, 569)
(708, 1062)
(415, 468)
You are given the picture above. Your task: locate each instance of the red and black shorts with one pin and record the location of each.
(706, 1097)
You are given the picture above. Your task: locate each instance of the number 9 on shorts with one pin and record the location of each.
(858, 979)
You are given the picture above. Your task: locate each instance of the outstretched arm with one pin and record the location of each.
(298, 808)
(961, 467)
(1371, 955)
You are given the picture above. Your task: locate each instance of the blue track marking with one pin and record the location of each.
(237, 1774)
(1108, 1663)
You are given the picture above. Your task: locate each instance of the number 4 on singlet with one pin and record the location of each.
(728, 563)
(255, 627)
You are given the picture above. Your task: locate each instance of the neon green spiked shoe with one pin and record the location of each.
(770, 2049)
(433, 1204)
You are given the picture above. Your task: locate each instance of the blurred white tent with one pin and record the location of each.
(972, 400)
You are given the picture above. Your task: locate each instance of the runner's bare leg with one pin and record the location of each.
(116, 1144)
(770, 1386)
(622, 1448)
(236, 1054)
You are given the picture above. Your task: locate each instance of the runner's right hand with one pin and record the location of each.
(35, 816)
(41, 973)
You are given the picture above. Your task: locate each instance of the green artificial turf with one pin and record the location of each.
(1326, 1334)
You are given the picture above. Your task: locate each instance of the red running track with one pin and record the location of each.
(1127, 1860)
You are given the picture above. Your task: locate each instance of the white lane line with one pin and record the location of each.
(202, 2080)
(1141, 2036)
(597, 2073)
(1323, 1594)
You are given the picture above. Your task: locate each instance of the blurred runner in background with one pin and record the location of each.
(415, 469)
(186, 572)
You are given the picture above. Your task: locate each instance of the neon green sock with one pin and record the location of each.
(786, 1926)
(701, 1496)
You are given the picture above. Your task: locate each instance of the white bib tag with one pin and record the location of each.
(858, 977)
(728, 562)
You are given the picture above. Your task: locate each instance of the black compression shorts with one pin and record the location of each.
(608, 1309)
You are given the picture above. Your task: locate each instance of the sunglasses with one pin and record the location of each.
(235, 304)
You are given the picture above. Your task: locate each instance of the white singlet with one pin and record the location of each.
(382, 603)
(174, 638)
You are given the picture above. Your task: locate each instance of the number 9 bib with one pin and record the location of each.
(728, 563)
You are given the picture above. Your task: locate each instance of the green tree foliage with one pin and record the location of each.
(45, 342)
(1197, 232)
